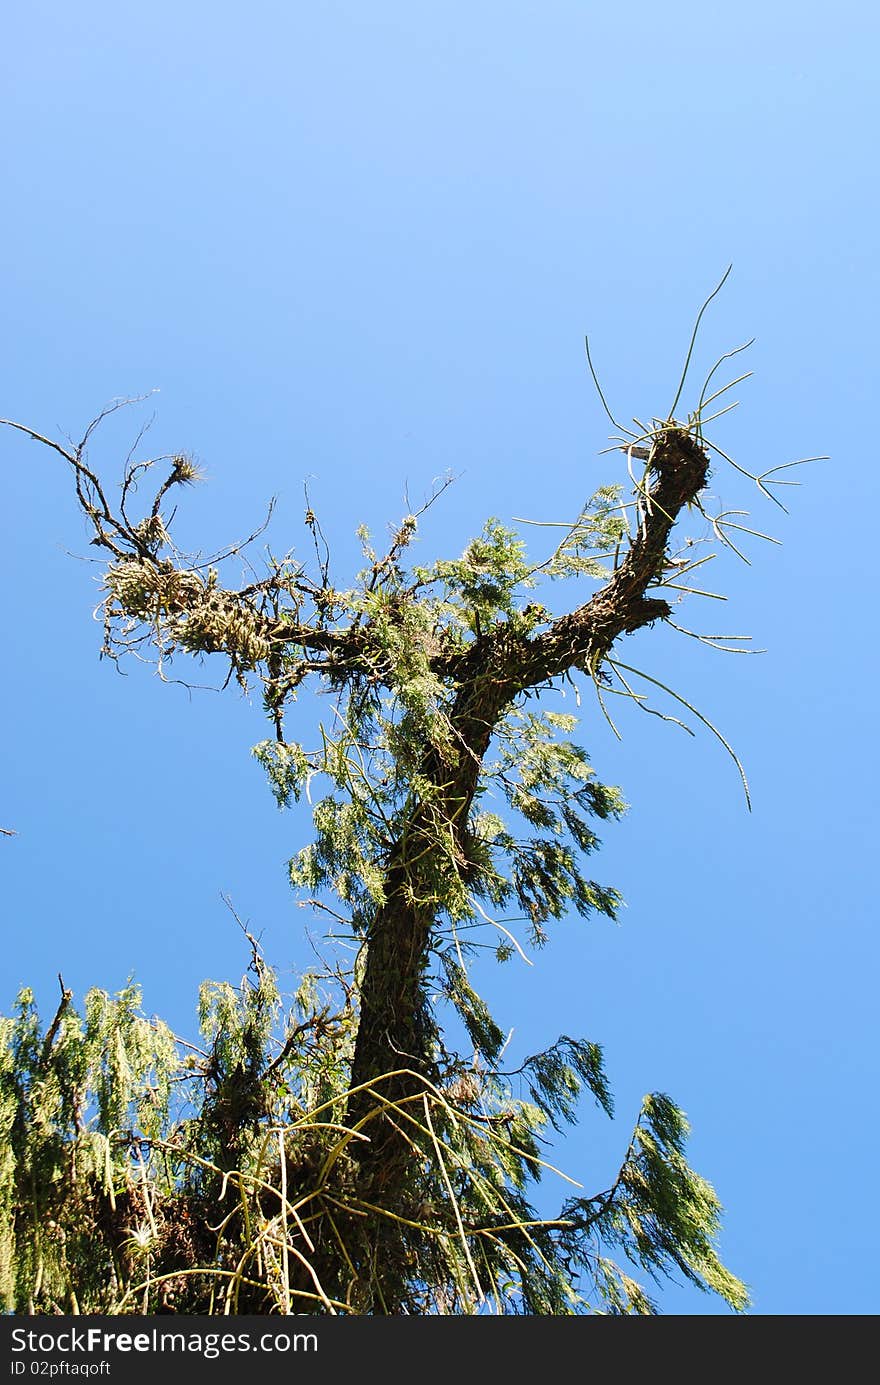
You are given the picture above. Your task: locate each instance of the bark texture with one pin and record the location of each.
(396, 1034)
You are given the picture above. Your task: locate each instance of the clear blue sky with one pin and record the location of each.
(361, 243)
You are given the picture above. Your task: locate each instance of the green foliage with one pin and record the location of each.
(665, 1216)
(140, 1174)
(556, 1076)
(69, 1102)
(487, 579)
(482, 1030)
(599, 530)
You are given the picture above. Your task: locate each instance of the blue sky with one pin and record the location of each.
(359, 246)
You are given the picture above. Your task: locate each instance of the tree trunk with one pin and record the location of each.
(396, 1032)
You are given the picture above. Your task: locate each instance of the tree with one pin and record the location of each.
(343, 1154)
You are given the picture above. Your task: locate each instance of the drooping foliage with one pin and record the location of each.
(144, 1175)
(344, 1153)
